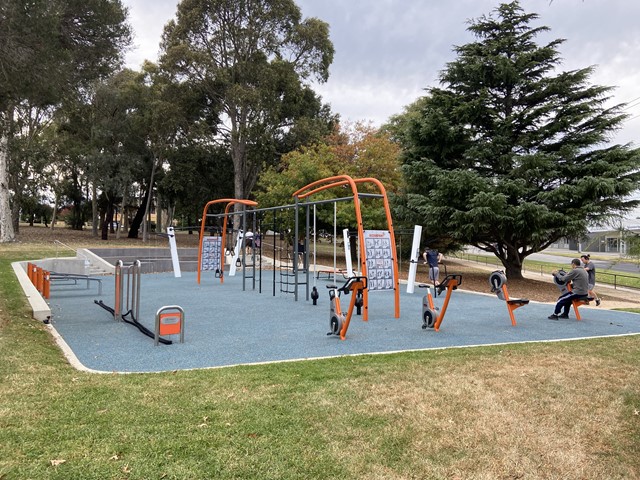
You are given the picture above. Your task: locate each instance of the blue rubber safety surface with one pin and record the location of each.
(225, 325)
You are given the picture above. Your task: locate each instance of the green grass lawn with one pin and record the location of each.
(568, 410)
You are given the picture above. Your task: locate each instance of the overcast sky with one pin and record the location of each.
(388, 51)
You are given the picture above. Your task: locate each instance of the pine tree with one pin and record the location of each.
(509, 155)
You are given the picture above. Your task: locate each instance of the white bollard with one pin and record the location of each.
(174, 252)
(347, 252)
(415, 255)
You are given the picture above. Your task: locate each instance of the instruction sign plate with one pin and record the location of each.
(379, 260)
(211, 253)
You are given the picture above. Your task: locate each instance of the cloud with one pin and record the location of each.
(148, 18)
(389, 51)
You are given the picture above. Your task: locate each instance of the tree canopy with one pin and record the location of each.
(358, 150)
(510, 155)
(252, 61)
(49, 48)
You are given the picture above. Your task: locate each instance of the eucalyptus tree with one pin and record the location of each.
(167, 119)
(120, 154)
(511, 154)
(49, 48)
(253, 62)
(196, 173)
(28, 151)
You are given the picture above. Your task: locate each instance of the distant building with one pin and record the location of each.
(603, 239)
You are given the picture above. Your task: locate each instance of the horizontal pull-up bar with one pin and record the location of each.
(324, 184)
(341, 199)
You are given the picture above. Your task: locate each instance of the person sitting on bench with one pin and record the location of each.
(579, 279)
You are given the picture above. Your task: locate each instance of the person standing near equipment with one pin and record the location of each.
(579, 288)
(591, 271)
(432, 258)
(248, 242)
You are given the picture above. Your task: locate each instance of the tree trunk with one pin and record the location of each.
(239, 166)
(137, 220)
(15, 213)
(170, 212)
(513, 272)
(513, 265)
(94, 209)
(158, 214)
(7, 233)
(108, 220)
(123, 213)
(145, 226)
(54, 211)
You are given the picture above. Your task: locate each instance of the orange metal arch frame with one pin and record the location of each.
(230, 202)
(340, 180)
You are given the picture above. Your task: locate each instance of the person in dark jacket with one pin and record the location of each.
(579, 280)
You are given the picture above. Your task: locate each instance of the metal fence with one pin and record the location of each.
(607, 278)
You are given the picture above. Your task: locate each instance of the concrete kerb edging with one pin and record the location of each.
(39, 306)
(42, 312)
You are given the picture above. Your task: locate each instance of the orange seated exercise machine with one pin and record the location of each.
(429, 317)
(338, 320)
(576, 302)
(498, 282)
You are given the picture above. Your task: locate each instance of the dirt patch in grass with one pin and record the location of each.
(517, 416)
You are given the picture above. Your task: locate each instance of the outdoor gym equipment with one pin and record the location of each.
(565, 289)
(338, 321)
(73, 279)
(378, 257)
(498, 282)
(562, 286)
(215, 256)
(430, 319)
(169, 321)
(131, 282)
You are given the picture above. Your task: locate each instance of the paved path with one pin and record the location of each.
(605, 261)
(632, 295)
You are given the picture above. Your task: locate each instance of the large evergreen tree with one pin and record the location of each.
(511, 155)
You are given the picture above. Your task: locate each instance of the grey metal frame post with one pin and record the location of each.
(296, 242)
(117, 311)
(135, 295)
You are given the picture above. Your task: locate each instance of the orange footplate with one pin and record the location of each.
(170, 323)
